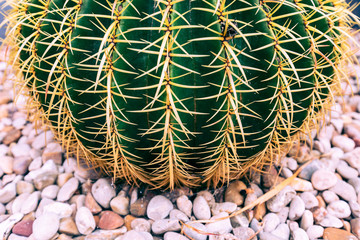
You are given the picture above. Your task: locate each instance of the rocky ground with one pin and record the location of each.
(45, 195)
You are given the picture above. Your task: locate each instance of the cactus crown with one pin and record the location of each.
(178, 92)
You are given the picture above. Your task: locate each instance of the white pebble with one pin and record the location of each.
(297, 208)
(84, 221)
(46, 226)
(201, 208)
(103, 192)
(68, 189)
(339, 209)
(159, 207)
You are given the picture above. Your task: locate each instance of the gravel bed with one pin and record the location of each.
(46, 195)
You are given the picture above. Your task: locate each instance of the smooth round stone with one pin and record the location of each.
(18, 202)
(45, 226)
(103, 192)
(20, 150)
(355, 226)
(299, 234)
(140, 225)
(315, 231)
(23, 228)
(339, 209)
(343, 142)
(221, 226)
(61, 209)
(323, 179)
(165, 225)
(159, 207)
(201, 208)
(297, 208)
(184, 204)
(355, 182)
(85, 221)
(344, 190)
(308, 171)
(270, 221)
(307, 220)
(6, 164)
(134, 235)
(345, 171)
(120, 205)
(174, 236)
(192, 234)
(239, 220)
(309, 199)
(283, 214)
(331, 221)
(110, 220)
(329, 196)
(50, 192)
(280, 200)
(68, 190)
(2, 209)
(353, 158)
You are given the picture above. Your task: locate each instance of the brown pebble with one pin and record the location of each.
(321, 201)
(259, 211)
(232, 193)
(319, 213)
(138, 208)
(12, 136)
(110, 220)
(68, 226)
(337, 234)
(128, 219)
(23, 228)
(91, 204)
(29, 216)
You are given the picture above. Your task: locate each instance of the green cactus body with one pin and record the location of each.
(180, 92)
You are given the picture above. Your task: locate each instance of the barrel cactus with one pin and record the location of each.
(179, 92)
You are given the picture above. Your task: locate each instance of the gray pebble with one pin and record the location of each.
(308, 171)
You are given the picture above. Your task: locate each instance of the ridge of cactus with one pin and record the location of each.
(176, 92)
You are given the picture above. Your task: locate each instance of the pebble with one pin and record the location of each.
(179, 215)
(344, 190)
(91, 204)
(132, 235)
(21, 165)
(7, 193)
(243, 233)
(355, 208)
(161, 226)
(50, 192)
(355, 182)
(201, 208)
(52, 151)
(62, 210)
(20, 150)
(103, 192)
(85, 221)
(31, 203)
(68, 226)
(323, 179)
(309, 200)
(299, 234)
(6, 164)
(110, 220)
(239, 220)
(184, 204)
(343, 142)
(355, 226)
(297, 208)
(67, 190)
(45, 226)
(346, 171)
(220, 226)
(232, 193)
(270, 221)
(331, 221)
(159, 207)
(174, 236)
(140, 225)
(228, 207)
(23, 228)
(307, 220)
(282, 231)
(339, 209)
(189, 230)
(329, 196)
(120, 205)
(353, 158)
(280, 200)
(315, 231)
(24, 187)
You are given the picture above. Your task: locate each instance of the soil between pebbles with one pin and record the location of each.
(44, 195)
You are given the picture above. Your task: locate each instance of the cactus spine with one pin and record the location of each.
(177, 92)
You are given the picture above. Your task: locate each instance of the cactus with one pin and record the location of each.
(178, 92)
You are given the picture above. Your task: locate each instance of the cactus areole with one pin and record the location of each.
(179, 92)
